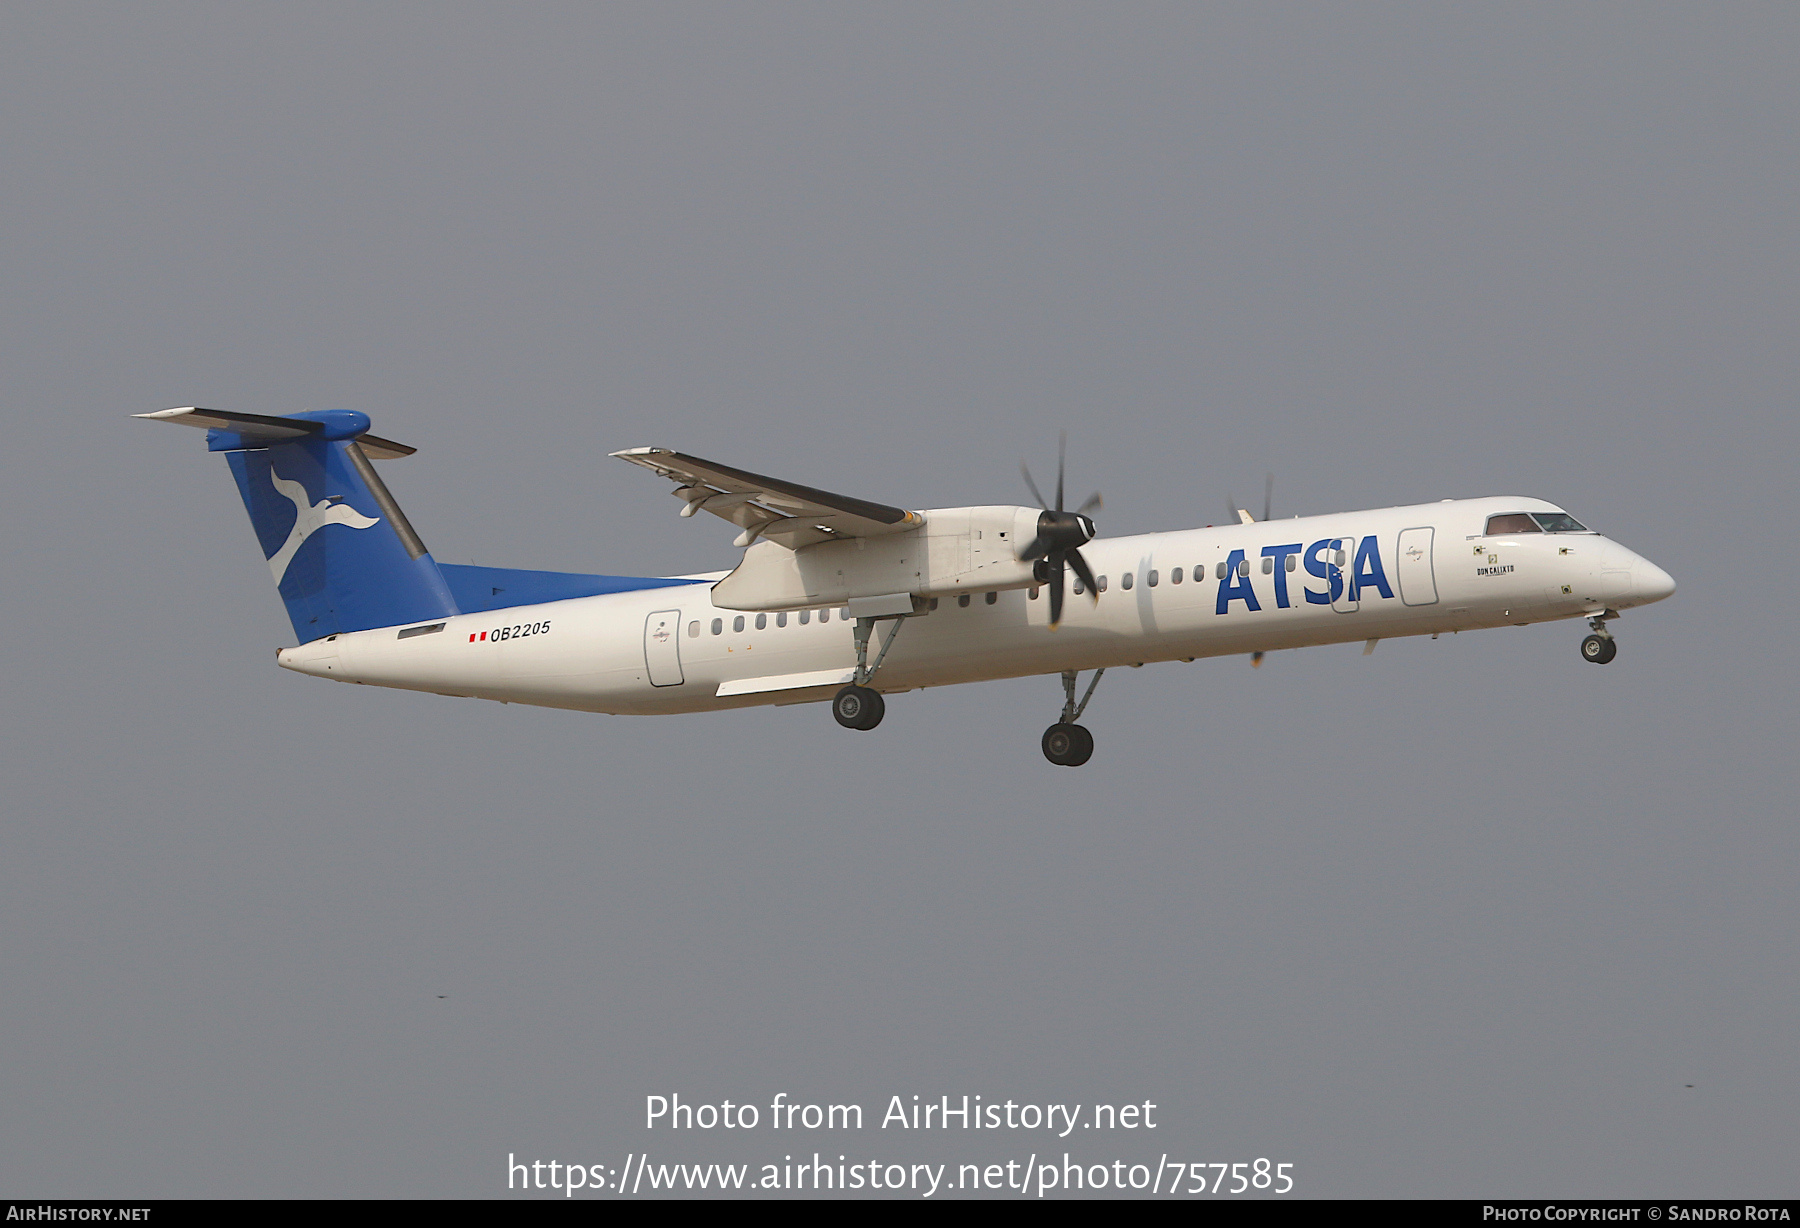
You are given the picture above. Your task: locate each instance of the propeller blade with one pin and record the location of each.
(1059, 533)
(1084, 571)
(1268, 495)
(1032, 485)
(1255, 659)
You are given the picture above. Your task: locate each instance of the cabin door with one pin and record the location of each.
(662, 647)
(1418, 583)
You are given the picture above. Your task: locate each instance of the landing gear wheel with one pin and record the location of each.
(1068, 745)
(1599, 649)
(859, 707)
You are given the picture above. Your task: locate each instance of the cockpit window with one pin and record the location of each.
(1558, 522)
(1512, 522)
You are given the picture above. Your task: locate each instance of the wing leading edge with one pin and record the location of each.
(785, 512)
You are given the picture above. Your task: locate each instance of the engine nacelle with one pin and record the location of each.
(956, 550)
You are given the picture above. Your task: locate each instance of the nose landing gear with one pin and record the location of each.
(1065, 743)
(1600, 647)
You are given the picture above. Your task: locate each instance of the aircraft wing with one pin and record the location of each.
(784, 512)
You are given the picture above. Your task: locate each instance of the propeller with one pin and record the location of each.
(1268, 501)
(1060, 536)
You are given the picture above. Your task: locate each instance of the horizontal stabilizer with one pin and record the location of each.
(262, 430)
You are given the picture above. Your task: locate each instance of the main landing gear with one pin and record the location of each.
(1068, 745)
(859, 705)
(1065, 743)
(1600, 647)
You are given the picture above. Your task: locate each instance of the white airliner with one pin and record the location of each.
(843, 600)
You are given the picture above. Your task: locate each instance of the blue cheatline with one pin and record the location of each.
(497, 588)
(341, 552)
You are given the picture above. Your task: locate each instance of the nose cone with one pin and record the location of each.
(1651, 582)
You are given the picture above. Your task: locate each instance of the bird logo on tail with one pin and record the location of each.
(309, 518)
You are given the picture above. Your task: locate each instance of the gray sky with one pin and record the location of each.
(1463, 918)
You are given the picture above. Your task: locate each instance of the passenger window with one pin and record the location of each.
(1221, 571)
(805, 617)
(694, 629)
(1174, 576)
(1125, 581)
(1512, 522)
(1100, 584)
(1268, 564)
(762, 620)
(737, 624)
(934, 603)
(962, 599)
(992, 598)
(1337, 557)
(718, 626)
(1151, 579)
(1243, 568)
(1079, 588)
(781, 619)
(1292, 562)
(844, 614)
(1200, 571)
(1034, 592)
(824, 616)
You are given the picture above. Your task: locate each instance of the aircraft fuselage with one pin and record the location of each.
(1216, 591)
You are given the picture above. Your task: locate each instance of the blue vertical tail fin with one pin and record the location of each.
(342, 553)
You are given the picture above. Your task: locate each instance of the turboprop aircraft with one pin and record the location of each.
(841, 599)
